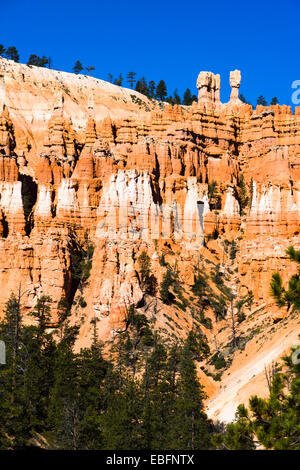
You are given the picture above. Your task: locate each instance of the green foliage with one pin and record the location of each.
(274, 422)
(243, 99)
(37, 61)
(119, 81)
(203, 294)
(242, 193)
(142, 87)
(161, 91)
(245, 301)
(241, 317)
(218, 361)
(197, 344)
(81, 261)
(168, 280)
(90, 68)
(212, 189)
(261, 101)
(75, 401)
(148, 280)
(131, 79)
(233, 250)
(12, 54)
(219, 307)
(188, 98)
(42, 311)
(78, 67)
(191, 428)
(289, 297)
(175, 99)
(274, 101)
(151, 88)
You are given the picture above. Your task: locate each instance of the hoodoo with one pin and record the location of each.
(129, 174)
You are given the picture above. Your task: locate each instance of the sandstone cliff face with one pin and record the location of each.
(81, 159)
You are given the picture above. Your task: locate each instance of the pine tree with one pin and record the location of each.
(151, 88)
(142, 87)
(38, 61)
(289, 297)
(243, 99)
(78, 67)
(187, 97)
(148, 280)
(64, 404)
(90, 68)
(190, 428)
(176, 99)
(161, 91)
(274, 101)
(42, 312)
(131, 79)
(12, 54)
(272, 422)
(2, 50)
(168, 280)
(242, 193)
(119, 81)
(261, 101)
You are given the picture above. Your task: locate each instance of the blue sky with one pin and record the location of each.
(170, 40)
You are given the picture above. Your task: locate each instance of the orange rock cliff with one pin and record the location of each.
(82, 159)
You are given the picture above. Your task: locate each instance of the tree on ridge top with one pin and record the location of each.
(77, 67)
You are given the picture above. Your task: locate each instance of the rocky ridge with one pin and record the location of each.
(84, 161)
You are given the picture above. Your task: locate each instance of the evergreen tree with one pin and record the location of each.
(142, 87)
(274, 422)
(289, 297)
(90, 68)
(274, 101)
(121, 423)
(202, 291)
(148, 280)
(190, 428)
(2, 50)
(12, 54)
(242, 193)
(261, 101)
(176, 99)
(168, 280)
(151, 88)
(37, 61)
(119, 81)
(64, 407)
(197, 345)
(187, 97)
(42, 312)
(33, 60)
(243, 99)
(161, 91)
(131, 79)
(78, 67)
(43, 61)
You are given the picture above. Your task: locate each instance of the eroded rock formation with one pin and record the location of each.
(107, 163)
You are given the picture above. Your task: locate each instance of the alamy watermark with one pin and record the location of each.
(156, 221)
(296, 356)
(296, 93)
(2, 352)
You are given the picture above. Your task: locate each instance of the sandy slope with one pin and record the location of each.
(247, 377)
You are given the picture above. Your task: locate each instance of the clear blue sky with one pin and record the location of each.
(163, 39)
